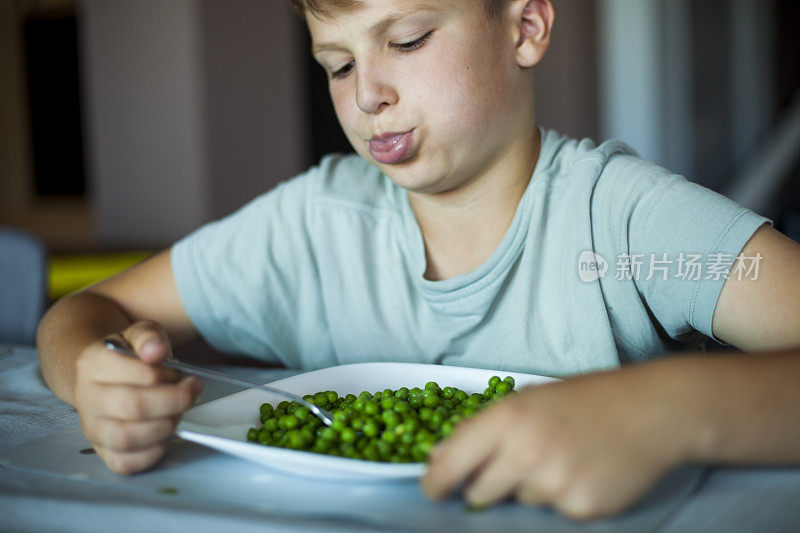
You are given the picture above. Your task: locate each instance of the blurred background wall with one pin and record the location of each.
(126, 124)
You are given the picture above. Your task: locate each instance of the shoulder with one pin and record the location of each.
(561, 156)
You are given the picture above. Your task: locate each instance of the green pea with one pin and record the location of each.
(390, 418)
(411, 424)
(371, 453)
(320, 400)
(401, 407)
(503, 387)
(328, 433)
(348, 435)
(321, 446)
(370, 429)
(387, 403)
(371, 407)
(384, 448)
(431, 401)
(447, 428)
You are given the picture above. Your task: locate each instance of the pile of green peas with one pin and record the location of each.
(397, 426)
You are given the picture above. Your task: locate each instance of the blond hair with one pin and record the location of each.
(327, 7)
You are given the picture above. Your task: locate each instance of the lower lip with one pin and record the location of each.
(393, 150)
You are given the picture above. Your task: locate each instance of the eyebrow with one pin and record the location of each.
(381, 26)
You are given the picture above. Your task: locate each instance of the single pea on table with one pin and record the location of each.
(397, 426)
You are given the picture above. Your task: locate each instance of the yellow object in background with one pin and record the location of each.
(68, 273)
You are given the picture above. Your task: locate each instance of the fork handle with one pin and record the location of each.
(170, 362)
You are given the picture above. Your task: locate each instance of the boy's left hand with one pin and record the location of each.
(588, 446)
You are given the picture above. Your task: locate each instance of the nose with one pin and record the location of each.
(374, 90)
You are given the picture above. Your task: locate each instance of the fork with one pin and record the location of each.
(170, 362)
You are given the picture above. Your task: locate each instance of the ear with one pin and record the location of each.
(533, 24)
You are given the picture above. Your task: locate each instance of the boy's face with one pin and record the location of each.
(428, 91)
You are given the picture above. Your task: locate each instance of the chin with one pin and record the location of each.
(411, 179)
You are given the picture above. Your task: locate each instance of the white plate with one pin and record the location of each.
(222, 424)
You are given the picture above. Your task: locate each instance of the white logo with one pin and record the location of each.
(591, 266)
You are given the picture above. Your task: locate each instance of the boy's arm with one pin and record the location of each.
(592, 445)
(144, 292)
(128, 407)
(754, 417)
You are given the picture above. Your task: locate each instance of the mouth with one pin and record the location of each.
(391, 148)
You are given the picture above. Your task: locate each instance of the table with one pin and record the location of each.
(45, 484)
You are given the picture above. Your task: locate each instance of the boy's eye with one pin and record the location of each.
(344, 71)
(413, 45)
(402, 47)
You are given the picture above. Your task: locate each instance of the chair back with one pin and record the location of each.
(23, 286)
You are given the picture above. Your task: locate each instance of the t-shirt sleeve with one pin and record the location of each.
(246, 280)
(676, 240)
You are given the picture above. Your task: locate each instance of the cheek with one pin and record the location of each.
(346, 111)
(462, 95)
(340, 102)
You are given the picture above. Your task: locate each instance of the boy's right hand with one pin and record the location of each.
(129, 407)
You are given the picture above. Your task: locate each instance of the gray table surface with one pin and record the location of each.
(46, 485)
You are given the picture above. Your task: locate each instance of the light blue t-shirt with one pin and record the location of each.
(328, 269)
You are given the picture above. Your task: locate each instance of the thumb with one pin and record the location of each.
(149, 340)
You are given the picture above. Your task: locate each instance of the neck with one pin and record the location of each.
(463, 227)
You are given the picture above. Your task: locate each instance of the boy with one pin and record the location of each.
(453, 238)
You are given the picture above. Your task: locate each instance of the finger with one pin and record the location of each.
(530, 492)
(494, 482)
(464, 451)
(131, 403)
(130, 436)
(149, 340)
(127, 463)
(105, 366)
